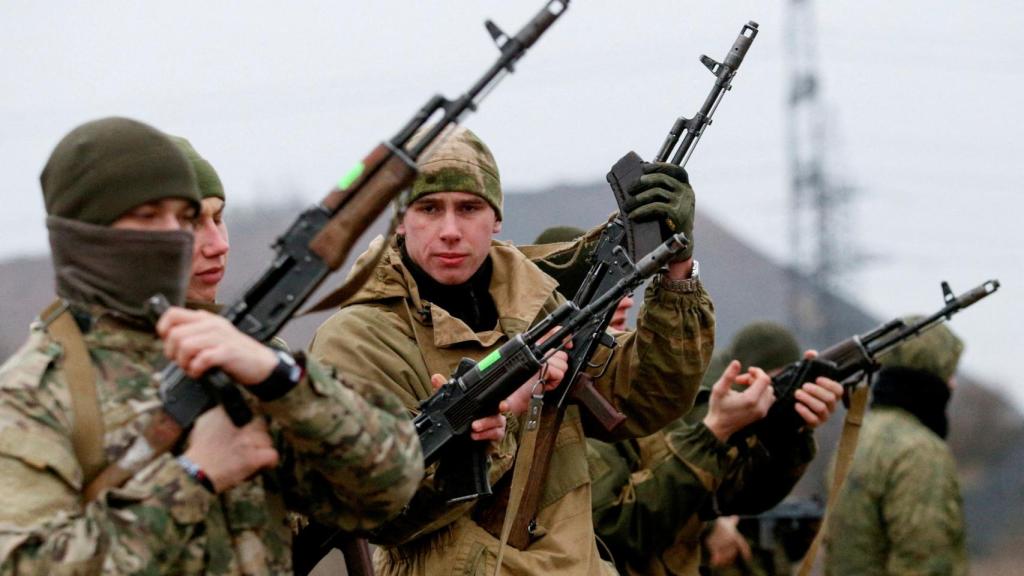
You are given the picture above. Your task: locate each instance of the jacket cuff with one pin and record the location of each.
(697, 447)
(304, 402)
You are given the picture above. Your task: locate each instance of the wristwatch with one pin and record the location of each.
(285, 376)
(686, 284)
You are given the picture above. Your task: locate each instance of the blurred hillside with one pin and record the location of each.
(987, 432)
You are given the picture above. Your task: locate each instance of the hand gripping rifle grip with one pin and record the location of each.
(641, 237)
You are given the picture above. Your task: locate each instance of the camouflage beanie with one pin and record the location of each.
(104, 168)
(461, 163)
(209, 182)
(766, 345)
(936, 351)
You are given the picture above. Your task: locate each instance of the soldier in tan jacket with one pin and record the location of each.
(445, 290)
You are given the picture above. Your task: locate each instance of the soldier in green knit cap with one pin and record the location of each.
(121, 199)
(210, 249)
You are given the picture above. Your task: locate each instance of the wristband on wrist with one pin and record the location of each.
(286, 375)
(196, 473)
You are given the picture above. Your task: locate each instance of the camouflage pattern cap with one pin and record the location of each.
(461, 163)
(106, 167)
(559, 234)
(766, 345)
(569, 273)
(936, 351)
(210, 185)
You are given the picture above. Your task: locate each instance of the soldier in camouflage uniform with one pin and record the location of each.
(653, 495)
(121, 197)
(446, 290)
(900, 510)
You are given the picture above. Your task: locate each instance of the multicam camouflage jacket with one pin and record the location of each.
(652, 495)
(399, 340)
(349, 458)
(900, 510)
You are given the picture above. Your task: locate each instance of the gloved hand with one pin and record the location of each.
(664, 194)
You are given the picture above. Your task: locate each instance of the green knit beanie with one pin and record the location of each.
(766, 345)
(569, 274)
(209, 182)
(936, 351)
(559, 234)
(461, 163)
(104, 168)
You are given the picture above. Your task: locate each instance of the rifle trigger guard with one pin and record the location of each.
(603, 366)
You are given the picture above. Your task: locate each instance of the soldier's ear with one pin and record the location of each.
(497, 227)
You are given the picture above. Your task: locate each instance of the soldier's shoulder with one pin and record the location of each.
(27, 368)
(363, 312)
(894, 439)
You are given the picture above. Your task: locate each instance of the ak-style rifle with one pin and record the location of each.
(849, 361)
(476, 388)
(315, 245)
(323, 236)
(622, 240)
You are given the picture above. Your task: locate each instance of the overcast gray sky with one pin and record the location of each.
(284, 97)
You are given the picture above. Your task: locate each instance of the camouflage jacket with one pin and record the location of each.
(900, 510)
(388, 335)
(652, 495)
(349, 457)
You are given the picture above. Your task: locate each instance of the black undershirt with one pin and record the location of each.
(470, 301)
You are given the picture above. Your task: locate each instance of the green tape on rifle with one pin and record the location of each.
(491, 358)
(351, 176)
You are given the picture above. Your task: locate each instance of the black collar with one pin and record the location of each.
(921, 393)
(470, 301)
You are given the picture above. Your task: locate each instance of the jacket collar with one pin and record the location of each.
(519, 289)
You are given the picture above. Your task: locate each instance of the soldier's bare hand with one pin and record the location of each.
(816, 401)
(519, 401)
(490, 428)
(197, 341)
(730, 411)
(725, 543)
(226, 454)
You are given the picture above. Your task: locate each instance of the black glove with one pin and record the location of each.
(664, 194)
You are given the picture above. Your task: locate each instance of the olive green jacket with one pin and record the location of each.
(652, 495)
(346, 459)
(388, 335)
(900, 510)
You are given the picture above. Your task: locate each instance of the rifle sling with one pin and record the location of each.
(521, 473)
(86, 420)
(491, 516)
(844, 458)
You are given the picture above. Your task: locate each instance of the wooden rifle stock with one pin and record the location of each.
(385, 171)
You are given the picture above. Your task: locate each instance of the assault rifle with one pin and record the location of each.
(316, 244)
(621, 240)
(852, 359)
(476, 388)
